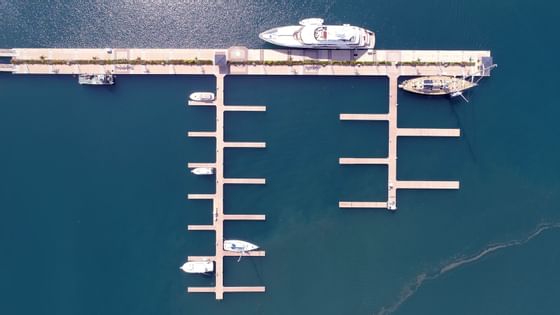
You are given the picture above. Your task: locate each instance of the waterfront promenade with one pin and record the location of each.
(243, 61)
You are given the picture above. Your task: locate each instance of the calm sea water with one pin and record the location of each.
(93, 180)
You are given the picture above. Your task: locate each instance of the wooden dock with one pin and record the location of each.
(217, 198)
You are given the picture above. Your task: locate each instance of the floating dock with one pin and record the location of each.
(243, 61)
(391, 161)
(217, 198)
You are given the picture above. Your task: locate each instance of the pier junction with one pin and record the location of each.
(243, 61)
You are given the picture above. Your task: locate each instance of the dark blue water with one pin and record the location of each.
(93, 180)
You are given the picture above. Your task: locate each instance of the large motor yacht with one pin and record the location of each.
(311, 33)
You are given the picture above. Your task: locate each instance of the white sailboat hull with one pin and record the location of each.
(239, 246)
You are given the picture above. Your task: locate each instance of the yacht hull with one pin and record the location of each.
(318, 36)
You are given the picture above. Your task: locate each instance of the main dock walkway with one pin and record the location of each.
(243, 61)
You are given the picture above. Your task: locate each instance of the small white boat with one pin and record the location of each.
(198, 266)
(437, 85)
(202, 96)
(203, 171)
(311, 21)
(239, 246)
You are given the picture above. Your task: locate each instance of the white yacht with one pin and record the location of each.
(202, 96)
(96, 79)
(203, 171)
(311, 33)
(239, 246)
(205, 266)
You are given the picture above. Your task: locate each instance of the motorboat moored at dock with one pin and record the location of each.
(311, 33)
(202, 96)
(239, 246)
(203, 171)
(96, 79)
(198, 266)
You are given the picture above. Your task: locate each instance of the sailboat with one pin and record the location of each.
(239, 246)
(443, 84)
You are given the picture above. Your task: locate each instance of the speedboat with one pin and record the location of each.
(239, 246)
(96, 79)
(202, 96)
(203, 171)
(311, 33)
(198, 266)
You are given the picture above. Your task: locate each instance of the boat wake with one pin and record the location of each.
(411, 288)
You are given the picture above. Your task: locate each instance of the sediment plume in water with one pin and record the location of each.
(411, 288)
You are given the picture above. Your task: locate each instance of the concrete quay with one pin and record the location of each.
(391, 160)
(243, 61)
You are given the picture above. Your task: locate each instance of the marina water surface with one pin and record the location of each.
(92, 192)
